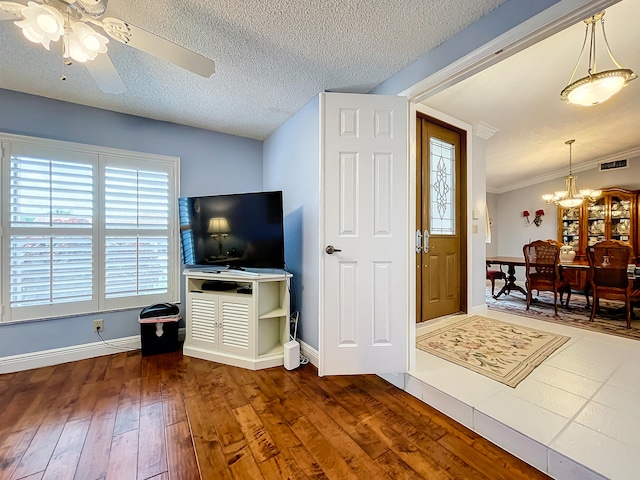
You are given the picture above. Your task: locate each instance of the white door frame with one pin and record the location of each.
(548, 22)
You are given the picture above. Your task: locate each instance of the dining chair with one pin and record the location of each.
(608, 261)
(542, 270)
(493, 275)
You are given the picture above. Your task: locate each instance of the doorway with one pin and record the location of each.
(440, 212)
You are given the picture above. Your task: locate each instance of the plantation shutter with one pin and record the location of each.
(137, 231)
(51, 218)
(85, 229)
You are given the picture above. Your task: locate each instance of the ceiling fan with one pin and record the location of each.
(73, 21)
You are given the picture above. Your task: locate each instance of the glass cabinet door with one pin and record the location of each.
(596, 216)
(620, 223)
(570, 218)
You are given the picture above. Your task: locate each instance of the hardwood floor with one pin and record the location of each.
(167, 416)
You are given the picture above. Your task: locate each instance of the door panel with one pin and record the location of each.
(364, 205)
(439, 213)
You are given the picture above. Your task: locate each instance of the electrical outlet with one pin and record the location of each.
(98, 325)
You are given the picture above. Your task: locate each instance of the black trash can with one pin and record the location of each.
(159, 328)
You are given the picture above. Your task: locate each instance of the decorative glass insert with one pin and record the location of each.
(442, 189)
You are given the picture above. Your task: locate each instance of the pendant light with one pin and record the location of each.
(596, 87)
(570, 197)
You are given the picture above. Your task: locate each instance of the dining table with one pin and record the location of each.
(512, 262)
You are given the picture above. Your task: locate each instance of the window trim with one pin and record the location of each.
(103, 157)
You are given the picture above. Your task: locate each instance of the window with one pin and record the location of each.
(85, 229)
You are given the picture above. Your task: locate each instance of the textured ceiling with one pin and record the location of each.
(520, 97)
(271, 57)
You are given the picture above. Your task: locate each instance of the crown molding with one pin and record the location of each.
(626, 154)
(484, 130)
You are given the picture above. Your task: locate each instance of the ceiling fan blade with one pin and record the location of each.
(157, 46)
(105, 74)
(10, 11)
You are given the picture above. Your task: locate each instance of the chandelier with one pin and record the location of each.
(570, 197)
(46, 23)
(596, 87)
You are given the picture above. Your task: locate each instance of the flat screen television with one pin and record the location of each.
(236, 231)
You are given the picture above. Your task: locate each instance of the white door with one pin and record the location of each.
(364, 218)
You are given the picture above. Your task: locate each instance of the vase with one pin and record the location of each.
(567, 254)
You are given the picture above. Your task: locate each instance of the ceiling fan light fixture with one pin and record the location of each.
(41, 24)
(82, 43)
(596, 87)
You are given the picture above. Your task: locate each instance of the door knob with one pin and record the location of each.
(330, 249)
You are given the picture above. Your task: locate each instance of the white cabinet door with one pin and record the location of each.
(221, 323)
(202, 326)
(236, 333)
(364, 216)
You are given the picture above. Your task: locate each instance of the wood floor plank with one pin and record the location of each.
(37, 456)
(152, 450)
(360, 433)
(331, 462)
(95, 452)
(260, 442)
(35, 476)
(128, 413)
(12, 447)
(66, 455)
(123, 458)
(151, 385)
(86, 401)
(208, 449)
(397, 408)
(167, 417)
(278, 467)
(181, 460)
(228, 388)
(98, 370)
(296, 456)
(438, 455)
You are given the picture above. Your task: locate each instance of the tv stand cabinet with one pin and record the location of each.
(237, 319)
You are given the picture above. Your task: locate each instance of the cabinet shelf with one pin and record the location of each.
(278, 312)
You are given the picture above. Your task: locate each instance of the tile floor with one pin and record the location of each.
(576, 416)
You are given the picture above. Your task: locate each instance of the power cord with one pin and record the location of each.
(111, 345)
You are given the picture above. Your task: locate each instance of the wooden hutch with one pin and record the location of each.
(613, 215)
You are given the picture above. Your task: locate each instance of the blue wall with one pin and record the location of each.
(210, 163)
(293, 148)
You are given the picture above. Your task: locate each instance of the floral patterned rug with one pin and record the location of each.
(499, 350)
(610, 319)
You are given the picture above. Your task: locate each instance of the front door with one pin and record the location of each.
(439, 210)
(365, 234)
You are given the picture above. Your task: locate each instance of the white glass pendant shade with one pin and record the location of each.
(42, 24)
(596, 87)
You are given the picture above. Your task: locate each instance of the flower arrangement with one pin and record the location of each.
(538, 218)
(526, 214)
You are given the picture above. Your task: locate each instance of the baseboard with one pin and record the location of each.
(310, 353)
(45, 358)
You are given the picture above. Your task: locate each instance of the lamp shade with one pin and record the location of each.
(83, 43)
(42, 24)
(218, 225)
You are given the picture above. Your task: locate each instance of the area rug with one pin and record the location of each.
(611, 319)
(499, 350)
